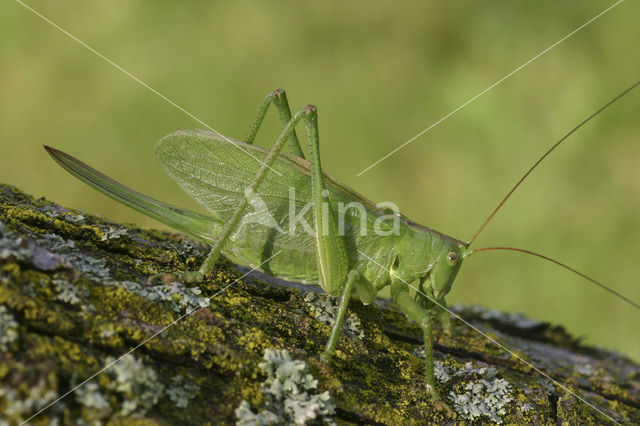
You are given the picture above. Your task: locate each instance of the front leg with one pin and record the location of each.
(444, 317)
(424, 318)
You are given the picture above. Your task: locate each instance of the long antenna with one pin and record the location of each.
(598, 283)
(602, 108)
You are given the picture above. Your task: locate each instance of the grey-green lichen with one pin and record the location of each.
(12, 245)
(96, 407)
(138, 384)
(113, 233)
(325, 308)
(8, 328)
(177, 295)
(526, 407)
(18, 404)
(67, 292)
(486, 395)
(78, 298)
(482, 398)
(287, 390)
(91, 267)
(181, 392)
(129, 389)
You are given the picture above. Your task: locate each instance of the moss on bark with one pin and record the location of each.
(74, 297)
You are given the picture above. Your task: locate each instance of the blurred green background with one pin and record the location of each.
(379, 73)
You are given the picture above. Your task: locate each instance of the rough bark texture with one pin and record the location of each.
(73, 297)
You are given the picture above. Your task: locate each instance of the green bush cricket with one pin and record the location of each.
(349, 246)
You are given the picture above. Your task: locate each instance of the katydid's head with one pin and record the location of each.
(446, 267)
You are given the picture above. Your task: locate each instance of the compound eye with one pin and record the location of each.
(452, 258)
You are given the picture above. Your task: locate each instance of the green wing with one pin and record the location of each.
(190, 223)
(215, 172)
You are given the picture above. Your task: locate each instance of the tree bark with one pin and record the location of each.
(74, 297)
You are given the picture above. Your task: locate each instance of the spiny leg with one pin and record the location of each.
(279, 99)
(330, 348)
(402, 298)
(331, 251)
(367, 294)
(427, 332)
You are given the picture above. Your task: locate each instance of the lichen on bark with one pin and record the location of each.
(74, 297)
